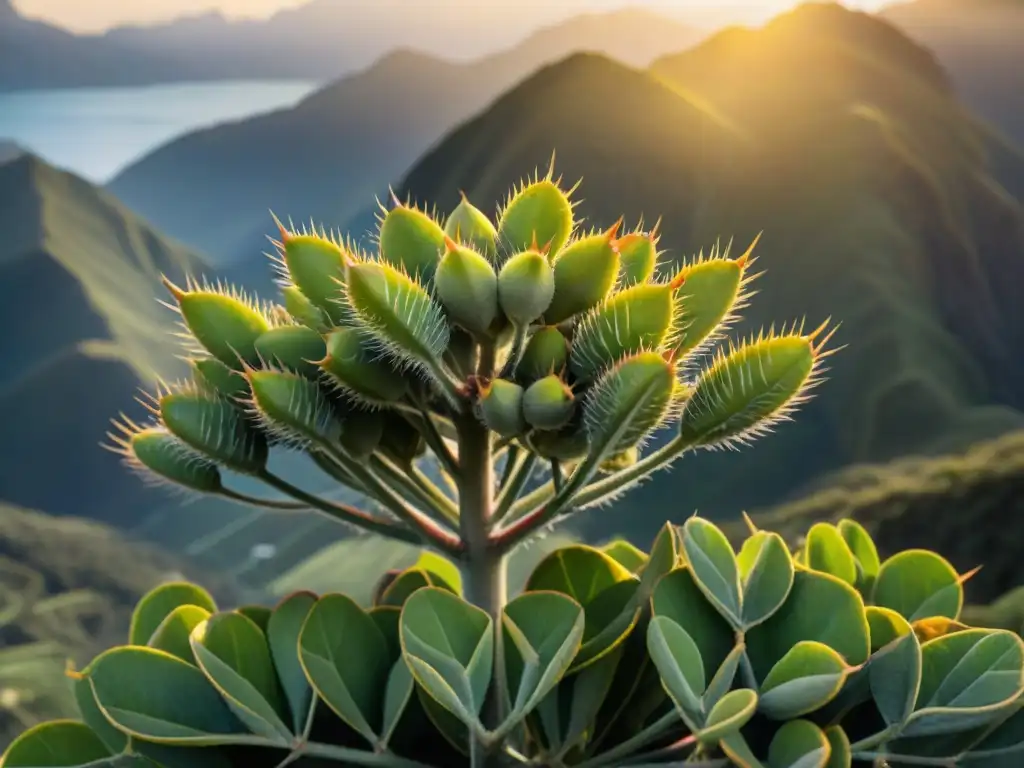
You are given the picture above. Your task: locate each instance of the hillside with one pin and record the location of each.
(330, 155)
(980, 43)
(878, 207)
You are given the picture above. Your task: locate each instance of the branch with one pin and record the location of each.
(428, 428)
(417, 489)
(253, 501)
(517, 476)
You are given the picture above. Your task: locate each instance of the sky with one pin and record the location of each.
(97, 15)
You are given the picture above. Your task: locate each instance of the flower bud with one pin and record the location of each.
(548, 403)
(467, 287)
(536, 213)
(316, 266)
(226, 324)
(412, 241)
(302, 309)
(158, 451)
(546, 352)
(470, 226)
(354, 369)
(292, 407)
(585, 272)
(501, 407)
(526, 285)
(216, 378)
(215, 428)
(295, 347)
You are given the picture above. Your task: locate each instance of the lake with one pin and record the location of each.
(95, 132)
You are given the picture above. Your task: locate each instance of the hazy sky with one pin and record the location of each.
(96, 15)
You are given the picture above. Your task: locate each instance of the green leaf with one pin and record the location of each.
(446, 572)
(919, 584)
(714, 567)
(625, 554)
(93, 716)
(387, 619)
(449, 646)
(894, 675)
(407, 582)
(158, 697)
(731, 713)
(283, 630)
(859, 541)
(397, 696)
(257, 614)
(805, 679)
(799, 744)
(664, 557)
(827, 552)
(820, 608)
(722, 682)
(158, 603)
(767, 577)
(840, 754)
(542, 632)
(346, 660)
(678, 597)
(679, 663)
(884, 626)
(55, 744)
(968, 679)
(1005, 740)
(175, 630)
(588, 690)
(738, 751)
(233, 654)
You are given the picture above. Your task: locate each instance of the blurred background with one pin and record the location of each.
(878, 147)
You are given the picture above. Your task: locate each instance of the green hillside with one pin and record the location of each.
(841, 140)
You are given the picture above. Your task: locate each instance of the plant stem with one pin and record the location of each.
(520, 476)
(253, 501)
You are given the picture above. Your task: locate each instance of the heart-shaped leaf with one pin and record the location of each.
(894, 675)
(542, 632)
(713, 564)
(799, 744)
(156, 604)
(346, 660)
(919, 584)
(827, 551)
(840, 754)
(969, 679)
(55, 744)
(731, 713)
(805, 679)
(283, 630)
(158, 697)
(678, 660)
(406, 583)
(175, 630)
(444, 571)
(766, 570)
(884, 626)
(678, 597)
(449, 646)
(233, 653)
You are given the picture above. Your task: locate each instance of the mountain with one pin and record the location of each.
(9, 151)
(330, 155)
(876, 197)
(981, 43)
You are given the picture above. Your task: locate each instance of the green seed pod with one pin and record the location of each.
(216, 378)
(749, 389)
(638, 257)
(567, 444)
(467, 287)
(215, 428)
(539, 212)
(316, 266)
(629, 401)
(157, 451)
(412, 241)
(357, 372)
(303, 310)
(400, 441)
(621, 461)
(501, 407)
(585, 273)
(470, 226)
(548, 403)
(546, 352)
(398, 313)
(526, 285)
(295, 347)
(226, 323)
(637, 318)
(361, 433)
(292, 408)
(710, 297)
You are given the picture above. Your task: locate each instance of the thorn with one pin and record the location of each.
(655, 232)
(71, 672)
(678, 280)
(394, 197)
(462, 195)
(551, 167)
(174, 290)
(970, 574)
(450, 244)
(750, 523)
(284, 234)
(534, 246)
(613, 230)
(745, 259)
(812, 336)
(572, 189)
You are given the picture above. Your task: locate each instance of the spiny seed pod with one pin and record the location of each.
(526, 285)
(215, 428)
(467, 287)
(469, 225)
(501, 407)
(316, 266)
(638, 256)
(302, 309)
(295, 347)
(570, 443)
(397, 312)
(585, 272)
(752, 387)
(215, 377)
(538, 212)
(621, 461)
(548, 403)
(637, 318)
(226, 323)
(629, 401)
(354, 369)
(400, 441)
(157, 451)
(361, 433)
(546, 352)
(711, 296)
(291, 407)
(411, 240)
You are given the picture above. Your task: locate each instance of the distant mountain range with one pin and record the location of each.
(330, 155)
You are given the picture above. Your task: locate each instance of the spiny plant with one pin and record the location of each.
(533, 359)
